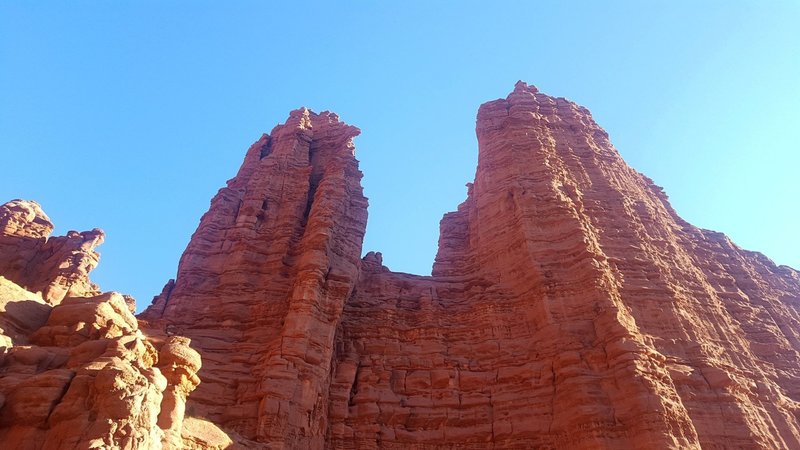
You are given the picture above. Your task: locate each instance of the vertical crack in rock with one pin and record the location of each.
(266, 148)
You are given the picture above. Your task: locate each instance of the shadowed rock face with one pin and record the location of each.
(569, 306)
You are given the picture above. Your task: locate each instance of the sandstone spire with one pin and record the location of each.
(571, 307)
(261, 287)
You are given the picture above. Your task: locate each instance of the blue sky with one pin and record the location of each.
(129, 116)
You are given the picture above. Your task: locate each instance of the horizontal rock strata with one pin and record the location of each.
(569, 306)
(261, 287)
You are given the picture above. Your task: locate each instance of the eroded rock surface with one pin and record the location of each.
(55, 266)
(261, 287)
(76, 371)
(569, 305)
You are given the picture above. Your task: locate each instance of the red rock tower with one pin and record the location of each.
(261, 286)
(569, 306)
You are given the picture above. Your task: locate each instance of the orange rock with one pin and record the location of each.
(21, 313)
(81, 374)
(568, 307)
(179, 364)
(262, 284)
(55, 266)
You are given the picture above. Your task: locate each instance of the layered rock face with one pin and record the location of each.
(261, 287)
(569, 306)
(76, 370)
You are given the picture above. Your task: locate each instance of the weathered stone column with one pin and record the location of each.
(179, 364)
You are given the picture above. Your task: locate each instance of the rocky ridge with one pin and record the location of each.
(569, 306)
(55, 266)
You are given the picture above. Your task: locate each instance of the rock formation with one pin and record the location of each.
(261, 287)
(56, 267)
(76, 371)
(568, 307)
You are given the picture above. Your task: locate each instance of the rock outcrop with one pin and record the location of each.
(569, 306)
(76, 370)
(57, 267)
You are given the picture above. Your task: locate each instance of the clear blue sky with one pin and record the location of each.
(129, 116)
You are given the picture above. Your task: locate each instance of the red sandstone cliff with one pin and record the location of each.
(569, 306)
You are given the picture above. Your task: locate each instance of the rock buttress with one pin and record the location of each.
(261, 286)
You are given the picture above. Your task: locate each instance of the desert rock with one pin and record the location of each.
(55, 266)
(262, 285)
(76, 371)
(569, 305)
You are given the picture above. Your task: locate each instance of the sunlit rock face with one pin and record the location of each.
(262, 285)
(55, 266)
(569, 305)
(76, 369)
